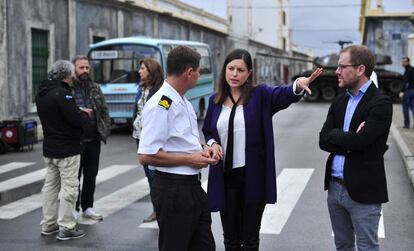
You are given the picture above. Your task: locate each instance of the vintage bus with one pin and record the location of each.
(115, 64)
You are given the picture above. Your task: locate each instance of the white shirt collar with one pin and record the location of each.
(172, 93)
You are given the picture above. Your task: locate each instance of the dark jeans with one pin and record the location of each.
(407, 105)
(240, 221)
(89, 166)
(182, 212)
(148, 172)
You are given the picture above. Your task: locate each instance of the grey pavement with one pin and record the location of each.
(404, 139)
(307, 225)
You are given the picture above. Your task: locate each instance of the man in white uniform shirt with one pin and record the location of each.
(170, 143)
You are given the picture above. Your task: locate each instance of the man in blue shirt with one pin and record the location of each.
(355, 134)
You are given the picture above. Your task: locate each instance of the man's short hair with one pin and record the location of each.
(181, 58)
(79, 57)
(361, 55)
(406, 58)
(61, 70)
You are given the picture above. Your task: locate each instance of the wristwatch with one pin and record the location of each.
(210, 144)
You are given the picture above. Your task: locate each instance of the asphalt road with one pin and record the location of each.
(299, 221)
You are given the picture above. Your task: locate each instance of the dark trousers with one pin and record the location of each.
(407, 105)
(240, 221)
(89, 165)
(148, 172)
(183, 215)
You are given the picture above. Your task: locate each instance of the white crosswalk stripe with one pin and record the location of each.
(14, 166)
(381, 229)
(22, 180)
(120, 199)
(30, 203)
(291, 184)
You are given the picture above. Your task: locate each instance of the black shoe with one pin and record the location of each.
(406, 127)
(65, 235)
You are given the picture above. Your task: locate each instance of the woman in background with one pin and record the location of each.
(152, 77)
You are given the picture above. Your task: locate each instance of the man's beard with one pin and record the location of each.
(83, 77)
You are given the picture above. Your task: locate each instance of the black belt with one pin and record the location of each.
(172, 177)
(338, 180)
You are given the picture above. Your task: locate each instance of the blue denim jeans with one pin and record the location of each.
(407, 105)
(350, 218)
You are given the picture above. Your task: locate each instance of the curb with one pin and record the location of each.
(405, 152)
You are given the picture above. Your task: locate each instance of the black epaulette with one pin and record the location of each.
(165, 102)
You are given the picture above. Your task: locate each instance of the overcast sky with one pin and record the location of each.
(318, 24)
(328, 21)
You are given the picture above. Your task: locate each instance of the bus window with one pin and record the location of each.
(120, 63)
(205, 63)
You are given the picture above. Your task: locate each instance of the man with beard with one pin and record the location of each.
(88, 95)
(355, 134)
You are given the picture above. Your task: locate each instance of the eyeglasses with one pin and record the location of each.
(343, 66)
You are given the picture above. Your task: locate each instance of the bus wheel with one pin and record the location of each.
(201, 109)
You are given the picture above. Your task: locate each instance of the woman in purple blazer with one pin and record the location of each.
(238, 127)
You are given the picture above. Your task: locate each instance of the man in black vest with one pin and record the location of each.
(88, 95)
(355, 134)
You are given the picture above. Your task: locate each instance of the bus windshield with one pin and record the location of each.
(120, 63)
(205, 62)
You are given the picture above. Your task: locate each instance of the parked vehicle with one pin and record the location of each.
(115, 64)
(325, 87)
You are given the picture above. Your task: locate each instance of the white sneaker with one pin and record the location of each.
(89, 213)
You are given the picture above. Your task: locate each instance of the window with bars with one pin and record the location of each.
(40, 55)
(97, 39)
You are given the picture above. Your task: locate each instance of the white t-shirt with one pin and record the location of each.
(239, 134)
(169, 123)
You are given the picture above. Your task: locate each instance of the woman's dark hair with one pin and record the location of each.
(223, 88)
(155, 74)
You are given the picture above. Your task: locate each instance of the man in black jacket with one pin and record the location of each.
(407, 94)
(355, 134)
(62, 123)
